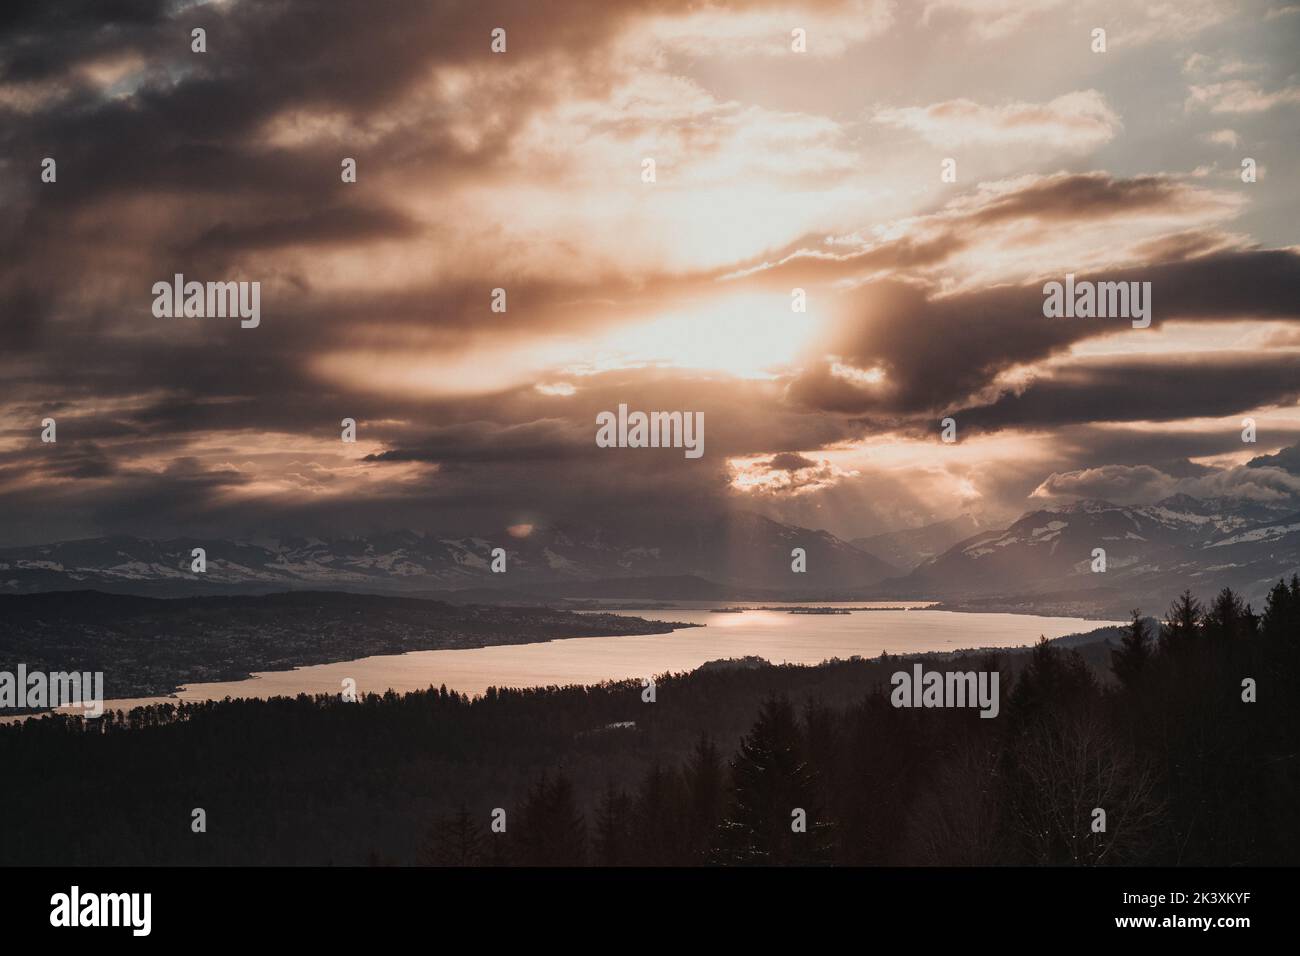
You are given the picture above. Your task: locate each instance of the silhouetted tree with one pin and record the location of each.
(771, 780)
(660, 819)
(1227, 619)
(1063, 761)
(456, 840)
(1182, 624)
(614, 834)
(1053, 681)
(551, 831)
(1129, 661)
(1281, 620)
(705, 781)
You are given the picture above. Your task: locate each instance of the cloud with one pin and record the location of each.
(1223, 137)
(990, 19)
(1109, 482)
(522, 171)
(1239, 96)
(766, 31)
(480, 442)
(942, 353)
(1073, 122)
(1130, 25)
(1007, 230)
(1166, 22)
(1288, 459)
(790, 461)
(788, 475)
(1138, 388)
(1199, 63)
(1128, 484)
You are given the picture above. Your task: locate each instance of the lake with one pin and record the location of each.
(778, 636)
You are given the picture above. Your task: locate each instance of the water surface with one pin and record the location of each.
(777, 636)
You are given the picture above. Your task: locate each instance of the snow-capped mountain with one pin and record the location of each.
(1151, 552)
(743, 550)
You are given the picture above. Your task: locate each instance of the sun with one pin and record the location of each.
(751, 336)
(747, 336)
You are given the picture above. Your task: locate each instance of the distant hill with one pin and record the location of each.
(909, 547)
(678, 560)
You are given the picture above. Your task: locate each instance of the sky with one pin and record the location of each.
(776, 169)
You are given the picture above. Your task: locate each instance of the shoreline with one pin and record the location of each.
(211, 689)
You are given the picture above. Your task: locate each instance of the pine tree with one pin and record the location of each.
(772, 779)
(660, 819)
(1281, 619)
(1227, 619)
(1054, 680)
(705, 782)
(457, 840)
(614, 840)
(551, 830)
(1129, 661)
(1182, 624)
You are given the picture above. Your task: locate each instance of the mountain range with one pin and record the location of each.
(1044, 560)
(739, 551)
(910, 547)
(1152, 553)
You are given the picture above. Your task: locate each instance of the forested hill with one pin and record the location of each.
(1157, 730)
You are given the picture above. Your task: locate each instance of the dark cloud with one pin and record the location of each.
(1144, 388)
(1144, 483)
(1109, 482)
(321, 226)
(1081, 198)
(1288, 459)
(789, 461)
(171, 161)
(939, 352)
(483, 442)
